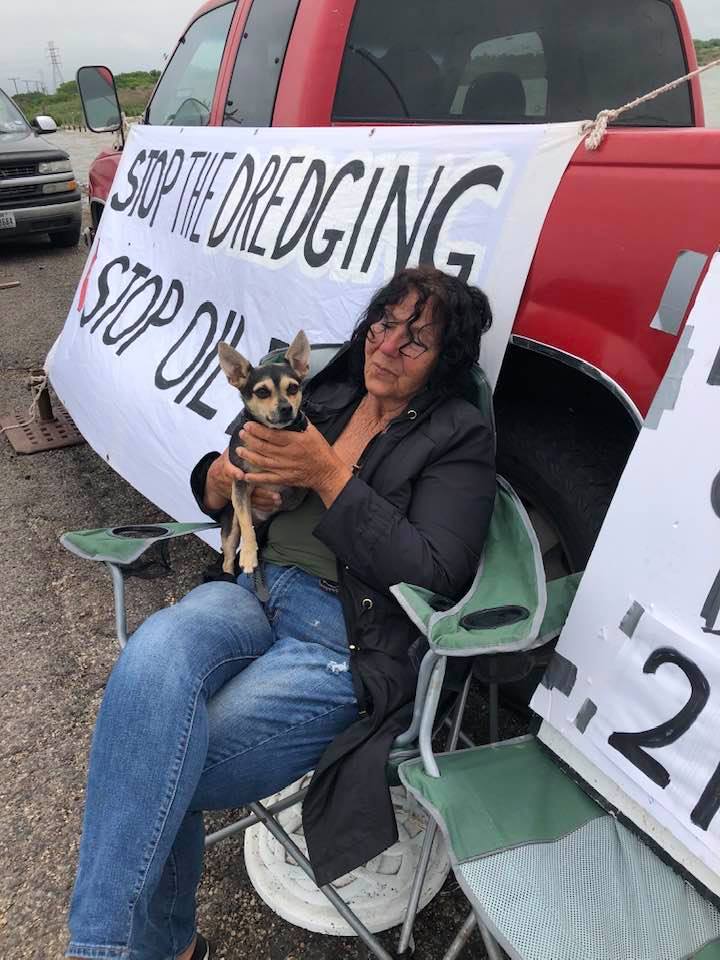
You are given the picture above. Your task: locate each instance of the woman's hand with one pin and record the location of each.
(218, 486)
(293, 459)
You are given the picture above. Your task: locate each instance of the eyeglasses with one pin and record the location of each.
(411, 348)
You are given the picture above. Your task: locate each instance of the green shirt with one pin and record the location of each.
(291, 542)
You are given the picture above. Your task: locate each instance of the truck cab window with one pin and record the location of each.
(251, 97)
(530, 61)
(185, 92)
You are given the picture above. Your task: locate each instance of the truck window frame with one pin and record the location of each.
(234, 4)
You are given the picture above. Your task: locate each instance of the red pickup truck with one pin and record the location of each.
(584, 360)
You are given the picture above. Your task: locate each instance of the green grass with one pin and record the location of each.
(64, 106)
(707, 51)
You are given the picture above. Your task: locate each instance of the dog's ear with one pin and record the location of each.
(235, 367)
(298, 355)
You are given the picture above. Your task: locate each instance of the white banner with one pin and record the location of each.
(636, 685)
(240, 235)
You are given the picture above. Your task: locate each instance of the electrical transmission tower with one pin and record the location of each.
(56, 64)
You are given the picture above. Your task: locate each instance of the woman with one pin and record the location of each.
(220, 700)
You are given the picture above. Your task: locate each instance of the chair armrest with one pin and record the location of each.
(124, 544)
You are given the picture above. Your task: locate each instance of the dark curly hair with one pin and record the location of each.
(463, 312)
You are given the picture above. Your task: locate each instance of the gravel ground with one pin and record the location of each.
(57, 646)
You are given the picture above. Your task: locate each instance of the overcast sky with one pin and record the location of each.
(134, 34)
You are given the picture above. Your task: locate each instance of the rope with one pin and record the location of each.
(596, 129)
(38, 383)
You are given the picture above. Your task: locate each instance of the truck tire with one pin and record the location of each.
(565, 465)
(66, 238)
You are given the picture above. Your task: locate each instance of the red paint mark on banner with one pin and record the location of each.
(85, 281)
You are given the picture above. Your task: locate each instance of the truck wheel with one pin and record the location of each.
(565, 466)
(66, 238)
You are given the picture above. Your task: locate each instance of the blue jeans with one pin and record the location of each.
(215, 702)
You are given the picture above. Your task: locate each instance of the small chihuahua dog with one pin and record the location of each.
(271, 395)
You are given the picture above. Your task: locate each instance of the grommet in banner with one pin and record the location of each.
(352, 646)
(367, 604)
(412, 414)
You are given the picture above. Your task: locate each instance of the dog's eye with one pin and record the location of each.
(292, 389)
(262, 393)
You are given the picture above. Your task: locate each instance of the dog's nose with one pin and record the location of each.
(284, 409)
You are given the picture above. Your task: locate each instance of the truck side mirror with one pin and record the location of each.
(44, 124)
(99, 99)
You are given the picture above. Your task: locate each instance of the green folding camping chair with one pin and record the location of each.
(509, 609)
(549, 872)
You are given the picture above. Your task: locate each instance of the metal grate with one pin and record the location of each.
(9, 170)
(41, 434)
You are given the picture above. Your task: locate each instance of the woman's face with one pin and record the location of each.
(397, 365)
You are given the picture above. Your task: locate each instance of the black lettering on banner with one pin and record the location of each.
(209, 194)
(316, 170)
(489, 176)
(714, 377)
(315, 258)
(104, 288)
(152, 156)
(195, 403)
(139, 272)
(167, 183)
(275, 201)
(144, 209)
(154, 283)
(361, 217)
(711, 608)
(398, 193)
(261, 188)
(630, 744)
(207, 308)
(247, 166)
(195, 192)
(194, 156)
(709, 803)
(115, 202)
(155, 319)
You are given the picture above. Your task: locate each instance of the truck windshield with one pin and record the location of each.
(11, 120)
(525, 61)
(185, 92)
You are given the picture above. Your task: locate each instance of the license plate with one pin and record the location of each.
(7, 221)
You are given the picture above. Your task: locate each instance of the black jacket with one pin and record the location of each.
(416, 510)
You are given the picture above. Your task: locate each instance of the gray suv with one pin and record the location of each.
(38, 191)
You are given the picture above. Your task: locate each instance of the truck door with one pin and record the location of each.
(184, 95)
(253, 86)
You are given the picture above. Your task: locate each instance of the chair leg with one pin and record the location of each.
(241, 825)
(418, 881)
(493, 710)
(119, 594)
(431, 829)
(463, 935)
(491, 946)
(370, 941)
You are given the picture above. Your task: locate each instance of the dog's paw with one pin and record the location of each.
(248, 559)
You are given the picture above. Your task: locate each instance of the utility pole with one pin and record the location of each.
(56, 63)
